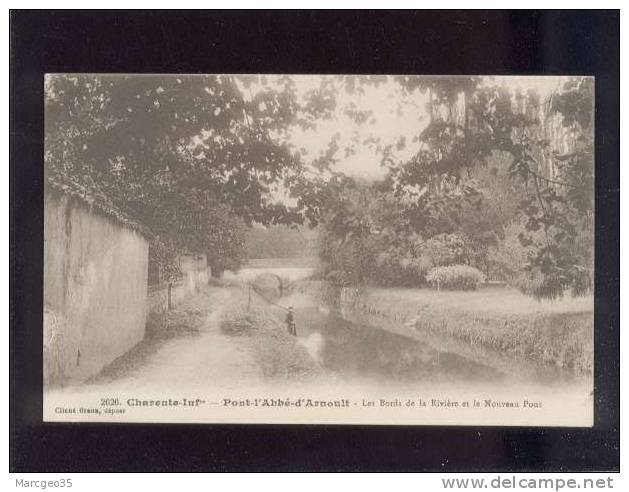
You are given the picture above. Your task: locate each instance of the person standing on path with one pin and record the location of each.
(290, 322)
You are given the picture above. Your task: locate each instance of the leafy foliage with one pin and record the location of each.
(507, 259)
(455, 277)
(165, 150)
(446, 249)
(223, 237)
(489, 161)
(281, 241)
(197, 159)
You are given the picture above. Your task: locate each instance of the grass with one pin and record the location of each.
(557, 333)
(183, 320)
(560, 340)
(486, 300)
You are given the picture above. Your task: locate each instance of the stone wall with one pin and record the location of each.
(195, 274)
(95, 289)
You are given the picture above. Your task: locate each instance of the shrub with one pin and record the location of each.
(239, 323)
(535, 284)
(507, 259)
(391, 268)
(345, 262)
(455, 277)
(446, 249)
(268, 285)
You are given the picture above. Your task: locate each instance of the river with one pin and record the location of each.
(365, 362)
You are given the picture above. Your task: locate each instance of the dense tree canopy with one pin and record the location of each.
(491, 163)
(167, 149)
(497, 178)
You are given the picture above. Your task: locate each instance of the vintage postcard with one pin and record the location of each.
(310, 249)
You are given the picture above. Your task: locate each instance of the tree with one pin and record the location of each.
(223, 239)
(280, 241)
(166, 149)
(554, 176)
(561, 209)
(547, 146)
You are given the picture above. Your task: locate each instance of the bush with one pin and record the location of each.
(239, 323)
(535, 284)
(446, 249)
(507, 259)
(455, 277)
(394, 269)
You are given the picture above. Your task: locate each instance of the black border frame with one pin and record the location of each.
(428, 42)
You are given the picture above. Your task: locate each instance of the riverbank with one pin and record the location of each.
(219, 338)
(219, 346)
(261, 326)
(495, 322)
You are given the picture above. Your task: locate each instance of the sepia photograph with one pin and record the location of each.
(319, 249)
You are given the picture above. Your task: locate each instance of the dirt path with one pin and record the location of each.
(209, 359)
